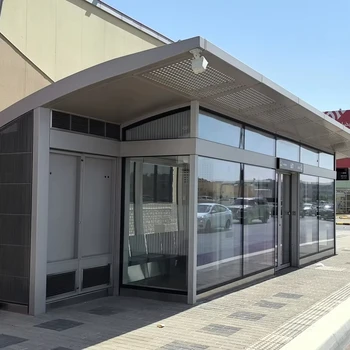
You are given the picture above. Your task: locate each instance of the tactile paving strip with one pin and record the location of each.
(284, 334)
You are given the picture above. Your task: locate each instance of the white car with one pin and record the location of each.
(213, 216)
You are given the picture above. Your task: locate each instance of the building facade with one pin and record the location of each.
(343, 168)
(140, 177)
(43, 41)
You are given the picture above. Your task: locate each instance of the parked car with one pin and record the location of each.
(213, 216)
(274, 210)
(327, 212)
(309, 209)
(249, 209)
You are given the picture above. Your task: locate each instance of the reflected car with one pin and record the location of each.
(274, 210)
(327, 212)
(309, 209)
(249, 209)
(213, 216)
(205, 199)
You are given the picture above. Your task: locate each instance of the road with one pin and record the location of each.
(258, 237)
(219, 253)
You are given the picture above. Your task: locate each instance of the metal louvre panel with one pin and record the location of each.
(173, 126)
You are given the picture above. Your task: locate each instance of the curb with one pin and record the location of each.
(342, 223)
(328, 333)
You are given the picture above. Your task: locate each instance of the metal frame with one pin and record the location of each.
(280, 265)
(192, 239)
(40, 211)
(192, 147)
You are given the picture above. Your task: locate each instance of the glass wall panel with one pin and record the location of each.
(326, 213)
(308, 156)
(327, 161)
(156, 227)
(219, 240)
(288, 150)
(219, 130)
(308, 215)
(259, 142)
(259, 225)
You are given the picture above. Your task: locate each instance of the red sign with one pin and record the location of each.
(343, 117)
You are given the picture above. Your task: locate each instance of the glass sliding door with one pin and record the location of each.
(326, 213)
(309, 227)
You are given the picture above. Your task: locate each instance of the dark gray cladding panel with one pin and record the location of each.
(16, 167)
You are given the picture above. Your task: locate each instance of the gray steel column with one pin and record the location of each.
(295, 232)
(117, 225)
(192, 231)
(40, 211)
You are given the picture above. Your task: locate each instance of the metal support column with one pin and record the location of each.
(192, 231)
(40, 211)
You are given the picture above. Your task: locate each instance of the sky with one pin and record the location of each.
(302, 45)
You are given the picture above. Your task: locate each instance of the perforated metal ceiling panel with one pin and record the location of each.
(248, 100)
(180, 77)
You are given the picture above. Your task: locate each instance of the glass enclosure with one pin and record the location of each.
(308, 156)
(219, 240)
(216, 129)
(236, 211)
(259, 142)
(316, 214)
(156, 222)
(288, 150)
(259, 224)
(326, 213)
(235, 226)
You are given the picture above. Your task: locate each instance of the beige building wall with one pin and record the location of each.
(19, 77)
(62, 37)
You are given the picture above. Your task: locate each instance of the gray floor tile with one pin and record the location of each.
(219, 329)
(105, 311)
(181, 345)
(59, 325)
(270, 304)
(288, 295)
(8, 340)
(248, 316)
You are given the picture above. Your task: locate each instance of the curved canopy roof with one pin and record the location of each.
(124, 89)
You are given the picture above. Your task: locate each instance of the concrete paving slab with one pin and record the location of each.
(233, 321)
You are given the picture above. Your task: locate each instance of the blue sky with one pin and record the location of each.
(302, 45)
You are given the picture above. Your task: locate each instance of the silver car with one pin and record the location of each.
(213, 216)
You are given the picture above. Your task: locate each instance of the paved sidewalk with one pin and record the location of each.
(265, 316)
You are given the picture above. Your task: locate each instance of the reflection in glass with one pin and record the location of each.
(327, 213)
(327, 161)
(308, 215)
(258, 142)
(216, 129)
(259, 225)
(156, 227)
(288, 150)
(219, 240)
(309, 157)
